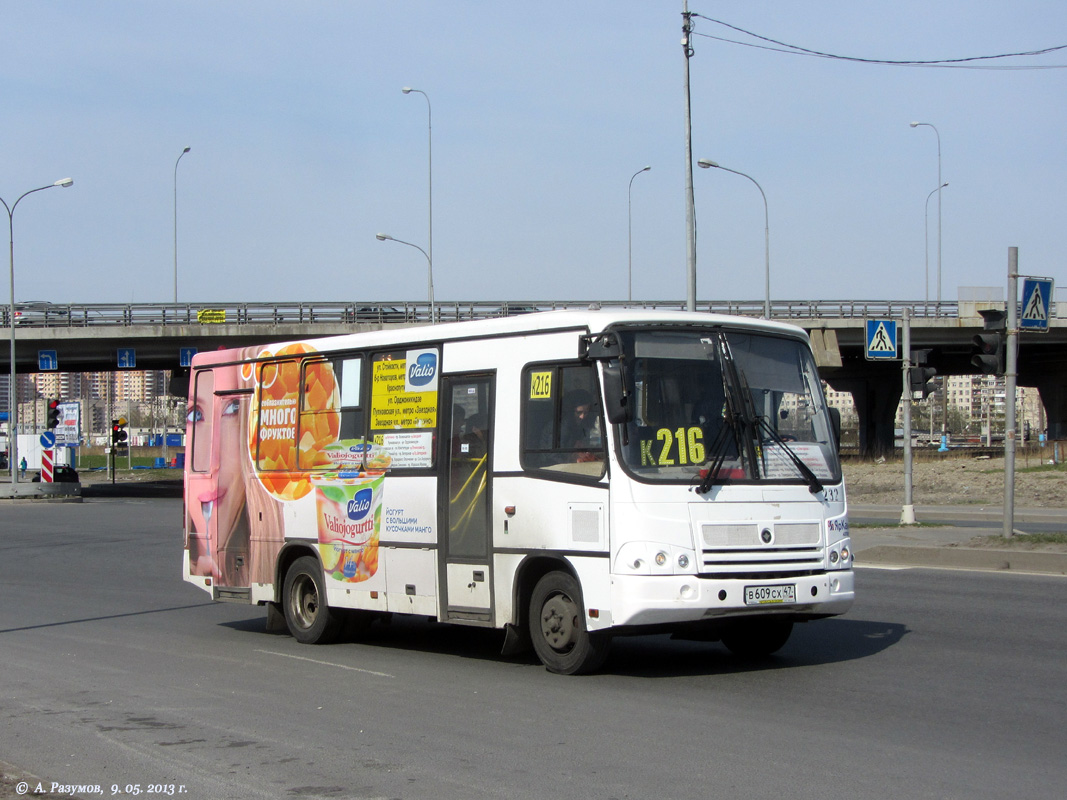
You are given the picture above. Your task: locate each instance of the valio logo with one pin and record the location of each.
(423, 370)
(359, 505)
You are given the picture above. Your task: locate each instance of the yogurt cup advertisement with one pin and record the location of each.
(348, 509)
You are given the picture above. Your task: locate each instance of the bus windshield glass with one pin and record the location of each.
(724, 406)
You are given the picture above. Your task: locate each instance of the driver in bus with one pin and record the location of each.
(580, 429)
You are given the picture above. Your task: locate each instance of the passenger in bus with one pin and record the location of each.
(580, 426)
(459, 421)
(474, 441)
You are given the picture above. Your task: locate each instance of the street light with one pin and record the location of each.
(705, 163)
(939, 182)
(385, 237)
(13, 406)
(186, 150)
(926, 249)
(629, 235)
(429, 130)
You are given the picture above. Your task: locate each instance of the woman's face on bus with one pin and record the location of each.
(217, 492)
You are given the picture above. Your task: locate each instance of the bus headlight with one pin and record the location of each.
(647, 558)
(840, 555)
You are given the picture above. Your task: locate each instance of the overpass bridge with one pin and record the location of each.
(87, 338)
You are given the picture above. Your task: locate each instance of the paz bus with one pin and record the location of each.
(566, 476)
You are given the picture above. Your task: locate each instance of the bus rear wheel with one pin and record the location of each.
(557, 627)
(307, 614)
(757, 638)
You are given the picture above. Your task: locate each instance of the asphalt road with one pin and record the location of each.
(938, 684)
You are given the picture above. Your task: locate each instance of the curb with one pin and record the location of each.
(1031, 561)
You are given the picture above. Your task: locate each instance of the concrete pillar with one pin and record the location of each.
(1053, 388)
(876, 397)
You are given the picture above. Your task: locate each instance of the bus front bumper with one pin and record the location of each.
(665, 599)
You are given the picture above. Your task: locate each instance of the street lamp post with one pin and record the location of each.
(629, 236)
(429, 131)
(186, 150)
(926, 249)
(385, 237)
(13, 405)
(707, 164)
(939, 183)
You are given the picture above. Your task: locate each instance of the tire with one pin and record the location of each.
(757, 638)
(308, 617)
(557, 627)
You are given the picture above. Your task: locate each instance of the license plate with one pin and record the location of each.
(763, 595)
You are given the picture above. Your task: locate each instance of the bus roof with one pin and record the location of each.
(592, 320)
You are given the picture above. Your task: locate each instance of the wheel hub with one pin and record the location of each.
(559, 620)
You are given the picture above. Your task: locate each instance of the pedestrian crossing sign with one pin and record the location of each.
(882, 340)
(1037, 304)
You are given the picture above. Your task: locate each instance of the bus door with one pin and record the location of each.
(229, 527)
(464, 497)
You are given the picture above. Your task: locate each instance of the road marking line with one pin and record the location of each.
(328, 664)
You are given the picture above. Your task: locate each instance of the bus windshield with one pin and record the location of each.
(721, 406)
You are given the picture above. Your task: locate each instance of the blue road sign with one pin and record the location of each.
(48, 440)
(1037, 304)
(47, 360)
(882, 340)
(127, 358)
(185, 356)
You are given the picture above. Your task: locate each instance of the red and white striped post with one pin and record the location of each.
(46, 466)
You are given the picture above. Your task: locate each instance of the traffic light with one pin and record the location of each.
(989, 354)
(921, 377)
(118, 432)
(53, 415)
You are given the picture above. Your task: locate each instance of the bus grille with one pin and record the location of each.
(795, 548)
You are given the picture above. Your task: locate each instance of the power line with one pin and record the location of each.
(943, 63)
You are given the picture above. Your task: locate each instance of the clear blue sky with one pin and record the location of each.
(303, 147)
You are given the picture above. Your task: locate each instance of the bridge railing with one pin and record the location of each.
(79, 315)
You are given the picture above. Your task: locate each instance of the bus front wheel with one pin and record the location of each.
(307, 614)
(557, 627)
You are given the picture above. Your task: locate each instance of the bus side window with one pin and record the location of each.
(200, 415)
(276, 415)
(563, 428)
(331, 407)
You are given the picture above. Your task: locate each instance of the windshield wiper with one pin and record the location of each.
(739, 417)
(717, 457)
(747, 425)
(814, 484)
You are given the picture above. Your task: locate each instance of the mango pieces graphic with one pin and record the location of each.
(276, 419)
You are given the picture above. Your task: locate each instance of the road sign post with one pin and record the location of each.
(907, 514)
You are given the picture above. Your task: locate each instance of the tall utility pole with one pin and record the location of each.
(186, 150)
(690, 205)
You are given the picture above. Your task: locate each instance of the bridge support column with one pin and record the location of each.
(1053, 388)
(877, 398)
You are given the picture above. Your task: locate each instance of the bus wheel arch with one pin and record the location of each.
(557, 626)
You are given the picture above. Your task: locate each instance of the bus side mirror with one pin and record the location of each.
(835, 423)
(617, 406)
(607, 349)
